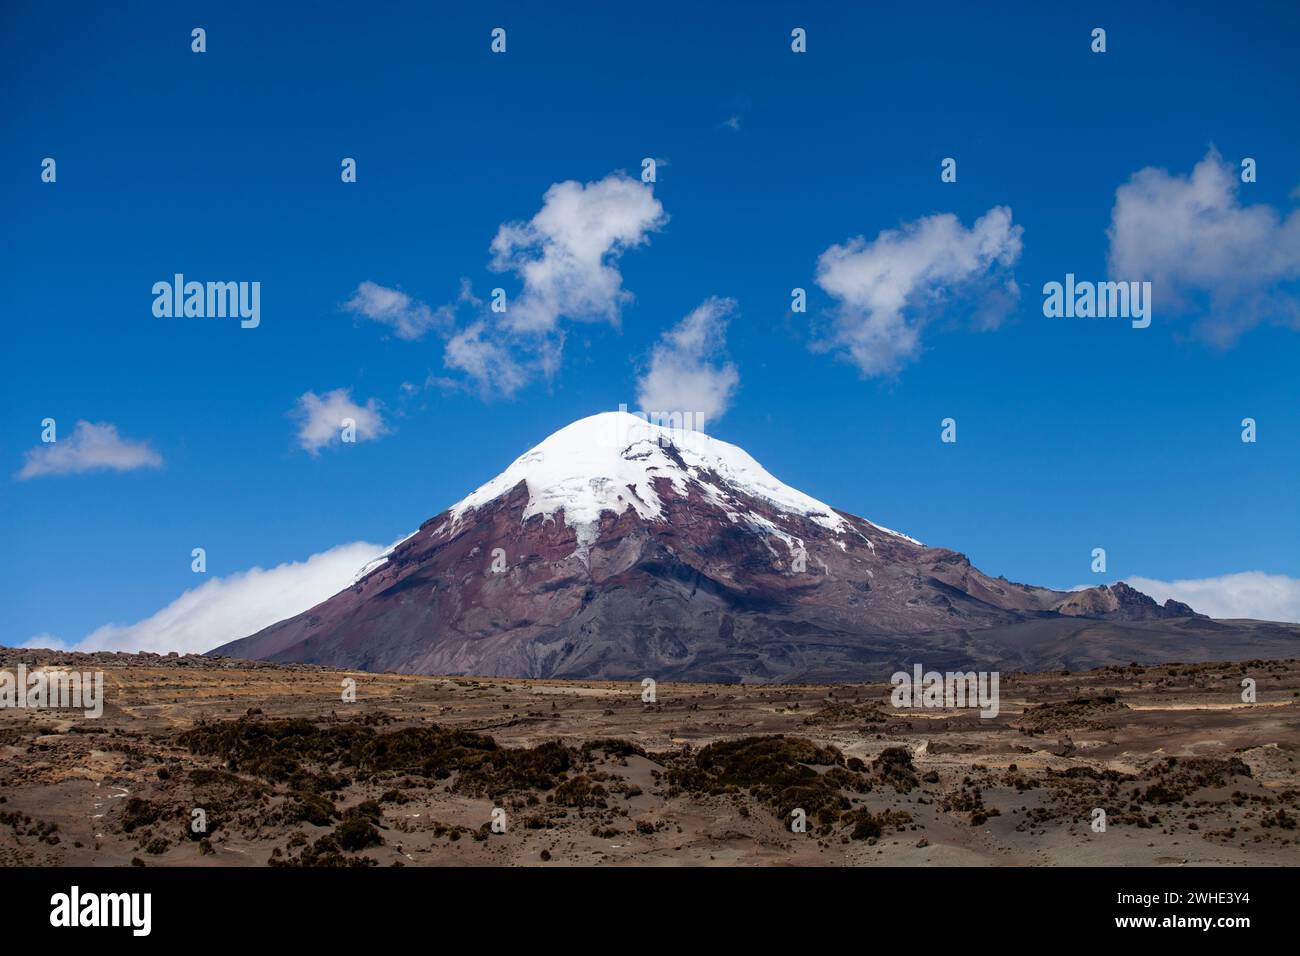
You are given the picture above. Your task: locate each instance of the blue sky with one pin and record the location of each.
(1072, 433)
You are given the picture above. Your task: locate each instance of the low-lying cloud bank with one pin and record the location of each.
(228, 608)
(1252, 594)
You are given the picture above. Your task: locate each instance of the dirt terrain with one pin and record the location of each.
(285, 772)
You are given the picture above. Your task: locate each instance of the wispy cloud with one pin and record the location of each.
(227, 608)
(44, 639)
(889, 289)
(489, 364)
(1252, 594)
(409, 318)
(90, 447)
(320, 419)
(1204, 252)
(685, 372)
(566, 258)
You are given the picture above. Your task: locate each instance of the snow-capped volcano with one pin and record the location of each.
(611, 463)
(619, 548)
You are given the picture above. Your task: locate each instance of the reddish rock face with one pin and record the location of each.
(1121, 602)
(700, 567)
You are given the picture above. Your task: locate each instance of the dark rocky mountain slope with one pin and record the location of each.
(617, 549)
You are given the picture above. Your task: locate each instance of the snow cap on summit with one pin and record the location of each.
(608, 462)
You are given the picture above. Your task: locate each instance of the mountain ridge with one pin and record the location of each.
(621, 549)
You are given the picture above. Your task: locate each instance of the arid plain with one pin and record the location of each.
(278, 769)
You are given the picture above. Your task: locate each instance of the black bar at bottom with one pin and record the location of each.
(323, 906)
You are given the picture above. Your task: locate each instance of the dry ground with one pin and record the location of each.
(587, 773)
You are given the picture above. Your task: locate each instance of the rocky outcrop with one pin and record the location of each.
(1120, 602)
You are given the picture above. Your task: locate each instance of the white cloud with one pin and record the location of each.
(43, 640)
(409, 318)
(684, 375)
(1253, 594)
(91, 447)
(732, 123)
(489, 364)
(890, 288)
(565, 255)
(1203, 251)
(320, 419)
(225, 609)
